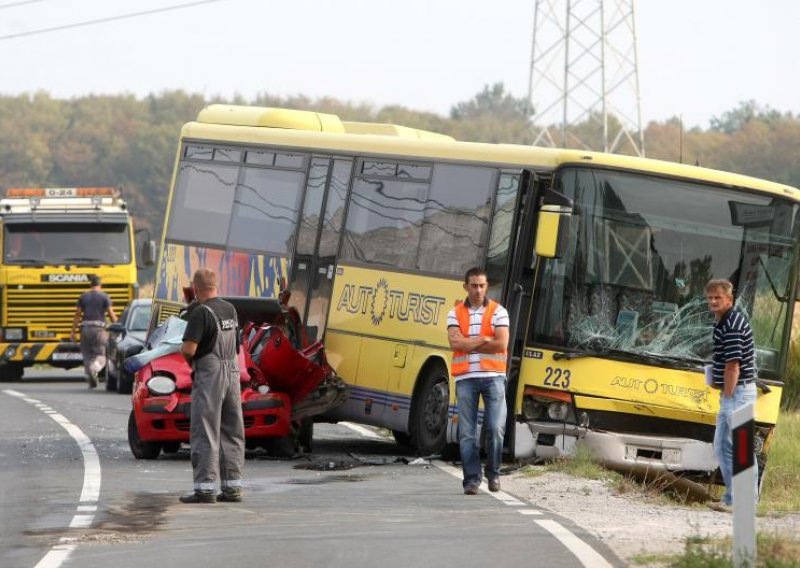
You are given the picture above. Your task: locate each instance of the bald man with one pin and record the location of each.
(210, 346)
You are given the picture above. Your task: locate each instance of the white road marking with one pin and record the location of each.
(585, 554)
(90, 494)
(361, 430)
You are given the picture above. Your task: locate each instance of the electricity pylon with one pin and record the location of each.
(584, 77)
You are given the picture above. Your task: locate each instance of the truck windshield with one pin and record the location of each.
(66, 243)
(641, 251)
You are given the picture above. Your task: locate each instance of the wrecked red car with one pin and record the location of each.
(285, 382)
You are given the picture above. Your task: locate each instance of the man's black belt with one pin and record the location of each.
(745, 382)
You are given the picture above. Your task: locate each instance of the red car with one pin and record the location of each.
(284, 383)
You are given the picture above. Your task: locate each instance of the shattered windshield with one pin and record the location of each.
(641, 251)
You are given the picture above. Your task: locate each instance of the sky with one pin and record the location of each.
(697, 58)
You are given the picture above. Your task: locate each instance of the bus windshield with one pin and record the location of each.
(31, 244)
(641, 251)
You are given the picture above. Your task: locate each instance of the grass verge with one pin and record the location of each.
(781, 488)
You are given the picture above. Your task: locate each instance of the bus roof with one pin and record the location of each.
(314, 131)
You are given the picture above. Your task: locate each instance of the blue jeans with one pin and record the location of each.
(723, 435)
(468, 391)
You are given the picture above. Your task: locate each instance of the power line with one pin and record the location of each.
(103, 20)
(22, 3)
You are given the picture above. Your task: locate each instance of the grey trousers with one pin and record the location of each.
(217, 428)
(93, 348)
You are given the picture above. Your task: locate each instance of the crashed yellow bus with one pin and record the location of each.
(600, 259)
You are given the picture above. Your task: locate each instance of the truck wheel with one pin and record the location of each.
(429, 408)
(11, 372)
(141, 450)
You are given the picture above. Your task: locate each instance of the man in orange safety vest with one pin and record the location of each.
(477, 330)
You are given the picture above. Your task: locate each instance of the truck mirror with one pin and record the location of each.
(148, 253)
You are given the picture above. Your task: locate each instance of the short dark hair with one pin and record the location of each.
(94, 280)
(474, 271)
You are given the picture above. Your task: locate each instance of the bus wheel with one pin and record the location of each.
(141, 450)
(11, 372)
(429, 412)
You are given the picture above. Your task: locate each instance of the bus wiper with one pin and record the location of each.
(84, 260)
(28, 261)
(683, 362)
(634, 356)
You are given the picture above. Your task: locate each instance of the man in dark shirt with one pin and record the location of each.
(734, 374)
(210, 346)
(91, 314)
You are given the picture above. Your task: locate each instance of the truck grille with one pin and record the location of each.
(52, 307)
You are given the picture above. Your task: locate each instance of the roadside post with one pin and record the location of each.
(745, 472)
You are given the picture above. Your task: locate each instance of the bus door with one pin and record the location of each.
(314, 265)
(519, 268)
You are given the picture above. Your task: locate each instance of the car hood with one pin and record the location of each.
(136, 336)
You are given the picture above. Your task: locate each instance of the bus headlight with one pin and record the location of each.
(13, 334)
(160, 385)
(263, 389)
(529, 408)
(558, 411)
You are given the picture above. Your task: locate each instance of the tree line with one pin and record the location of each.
(121, 140)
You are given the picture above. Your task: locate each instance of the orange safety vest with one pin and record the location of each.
(489, 361)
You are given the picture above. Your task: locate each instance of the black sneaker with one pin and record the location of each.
(230, 497)
(471, 489)
(199, 497)
(494, 485)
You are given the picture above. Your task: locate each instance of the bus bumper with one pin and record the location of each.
(64, 355)
(548, 440)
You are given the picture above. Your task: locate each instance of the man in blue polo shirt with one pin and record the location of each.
(734, 373)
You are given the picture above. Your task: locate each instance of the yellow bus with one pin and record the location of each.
(600, 260)
(52, 240)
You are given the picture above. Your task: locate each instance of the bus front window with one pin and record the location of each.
(642, 251)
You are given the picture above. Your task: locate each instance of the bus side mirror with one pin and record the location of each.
(552, 228)
(148, 253)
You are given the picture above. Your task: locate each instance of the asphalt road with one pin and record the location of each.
(62, 506)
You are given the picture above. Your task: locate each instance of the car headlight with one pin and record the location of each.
(160, 385)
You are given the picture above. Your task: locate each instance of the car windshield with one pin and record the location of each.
(139, 319)
(66, 243)
(641, 251)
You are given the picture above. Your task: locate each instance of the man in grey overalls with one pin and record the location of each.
(210, 345)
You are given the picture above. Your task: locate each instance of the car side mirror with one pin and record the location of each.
(116, 328)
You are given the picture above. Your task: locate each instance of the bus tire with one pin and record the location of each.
(140, 450)
(429, 408)
(11, 372)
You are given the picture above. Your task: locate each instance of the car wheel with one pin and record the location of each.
(429, 409)
(305, 436)
(111, 378)
(124, 382)
(141, 450)
(402, 438)
(11, 372)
